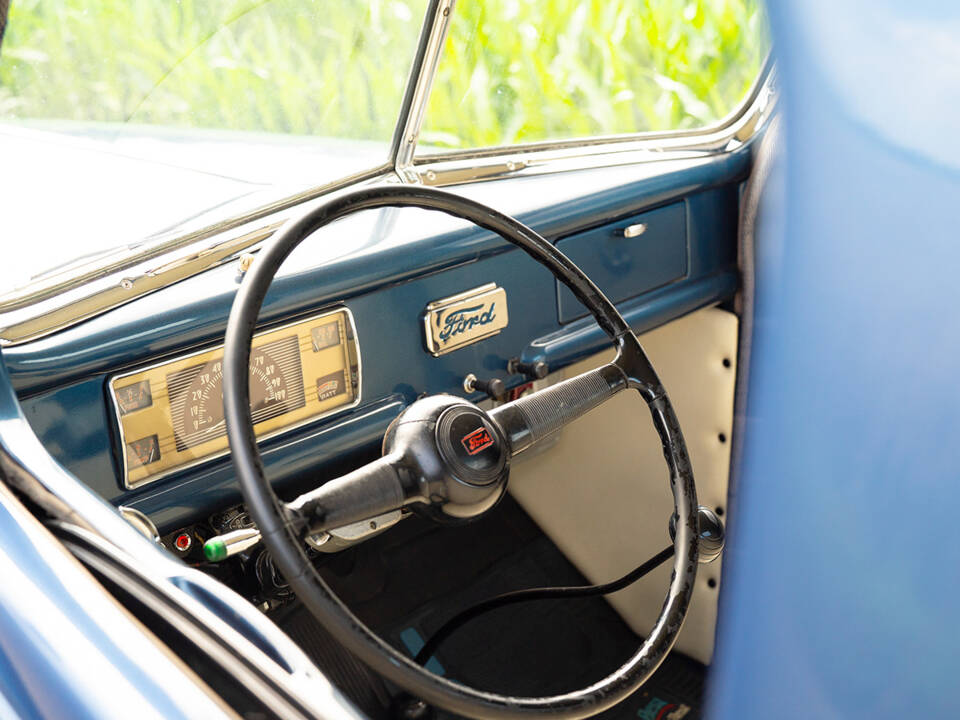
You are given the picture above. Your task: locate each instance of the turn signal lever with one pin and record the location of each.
(711, 533)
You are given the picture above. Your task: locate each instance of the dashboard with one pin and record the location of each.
(129, 401)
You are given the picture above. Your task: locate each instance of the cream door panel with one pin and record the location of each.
(601, 493)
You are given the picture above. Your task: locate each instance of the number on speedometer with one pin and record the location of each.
(196, 393)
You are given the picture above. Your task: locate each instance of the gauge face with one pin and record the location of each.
(196, 393)
(171, 414)
(134, 397)
(143, 451)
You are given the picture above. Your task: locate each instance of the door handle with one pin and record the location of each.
(635, 230)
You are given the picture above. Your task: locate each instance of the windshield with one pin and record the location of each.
(122, 119)
(522, 72)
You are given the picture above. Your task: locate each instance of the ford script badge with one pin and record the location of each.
(462, 319)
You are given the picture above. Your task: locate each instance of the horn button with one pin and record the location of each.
(470, 445)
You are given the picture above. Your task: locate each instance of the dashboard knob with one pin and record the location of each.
(536, 370)
(494, 387)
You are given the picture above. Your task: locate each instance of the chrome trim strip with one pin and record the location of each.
(541, 158)
(141, 521)
(763, 83)
(35, 314)
(55, 283)
(418, 106)
(416, 67)
(111, 383)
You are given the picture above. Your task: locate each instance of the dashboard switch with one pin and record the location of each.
(183, 542)
(494, 388)
(536, 370)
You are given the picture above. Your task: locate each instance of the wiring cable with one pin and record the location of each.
(543, 593)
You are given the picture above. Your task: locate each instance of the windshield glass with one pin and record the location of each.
(529, 71)
(122, 119)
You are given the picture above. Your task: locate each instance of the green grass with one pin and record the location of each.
(514, 70)
(333, 68)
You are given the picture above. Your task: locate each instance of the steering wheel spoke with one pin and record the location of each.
(531, 418)
(369, 491)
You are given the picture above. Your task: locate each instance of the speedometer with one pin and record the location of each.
(170, 415)
(196, 393)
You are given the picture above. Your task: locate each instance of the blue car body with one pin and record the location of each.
(843, 575)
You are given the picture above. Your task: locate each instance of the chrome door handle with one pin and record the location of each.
(632, 231)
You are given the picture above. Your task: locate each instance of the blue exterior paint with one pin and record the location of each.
(387, 279)
(842, 571)
(66, 649)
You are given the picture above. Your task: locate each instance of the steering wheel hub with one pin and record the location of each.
(454, 452)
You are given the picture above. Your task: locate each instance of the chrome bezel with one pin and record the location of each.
(111, 383)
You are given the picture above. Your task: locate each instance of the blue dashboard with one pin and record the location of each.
(386, 267)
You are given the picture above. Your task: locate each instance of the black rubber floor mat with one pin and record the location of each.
(344, 670)
(406, 583)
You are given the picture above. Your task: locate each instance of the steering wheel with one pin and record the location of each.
(428, 467)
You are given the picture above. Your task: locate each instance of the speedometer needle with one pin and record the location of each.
(216, 426)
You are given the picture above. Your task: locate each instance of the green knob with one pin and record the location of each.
(215, 549)
(223, 546)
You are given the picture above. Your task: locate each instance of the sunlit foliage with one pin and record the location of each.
(514, 70)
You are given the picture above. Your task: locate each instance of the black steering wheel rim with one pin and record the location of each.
(281, 537)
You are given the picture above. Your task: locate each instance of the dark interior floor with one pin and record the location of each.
(407, 582)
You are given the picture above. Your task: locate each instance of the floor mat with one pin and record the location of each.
(364, 687)
(406, 583)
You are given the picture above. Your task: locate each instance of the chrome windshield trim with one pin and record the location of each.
(763, 83)
(177, 245)
(426, 71)
(65, 299)
(179, 239)
(537, 158)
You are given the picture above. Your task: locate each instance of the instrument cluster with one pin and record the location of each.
(170, 415)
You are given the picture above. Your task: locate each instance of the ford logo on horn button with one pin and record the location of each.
(477, 440)
(459, 320)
